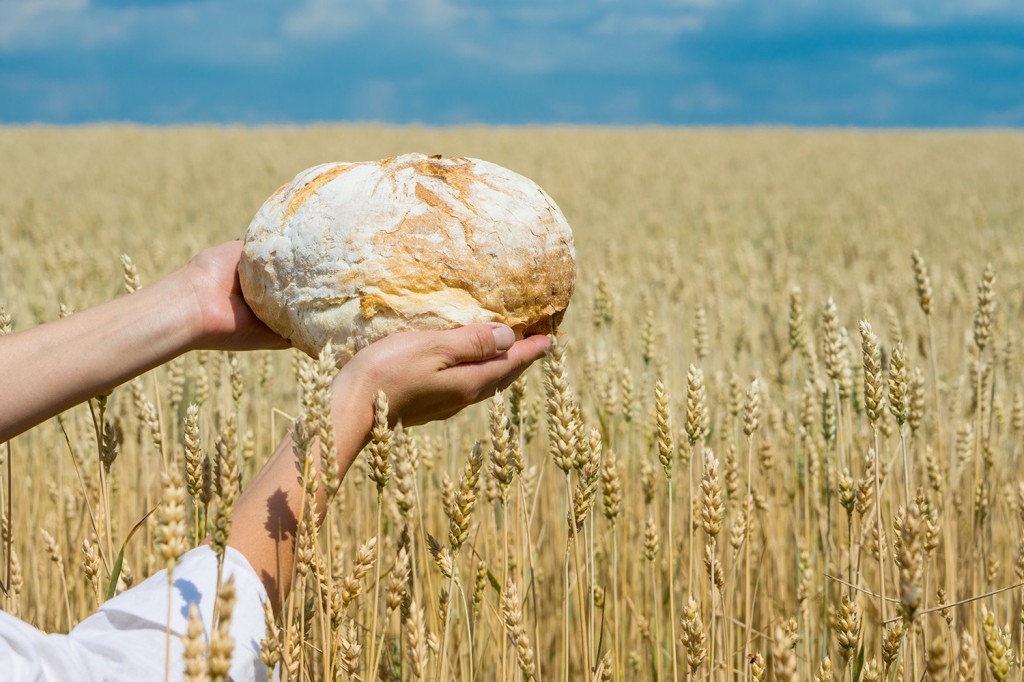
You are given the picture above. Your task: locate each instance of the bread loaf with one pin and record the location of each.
(352, 252)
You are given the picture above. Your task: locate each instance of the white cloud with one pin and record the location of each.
(911, 68)
(513, 56)
(20, 13)
(326, 19)
(527, 38)
(31, 23)
(778, 15)
(652, 26)
(46, 24)
(209, 33)
(702, 99)
(1011, 116)
(374, 100)
(910, 13)
(924, 12)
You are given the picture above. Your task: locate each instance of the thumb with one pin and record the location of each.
(477, 342)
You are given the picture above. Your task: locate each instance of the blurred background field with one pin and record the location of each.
(696, 237)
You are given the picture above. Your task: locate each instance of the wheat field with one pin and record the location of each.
(772, 443)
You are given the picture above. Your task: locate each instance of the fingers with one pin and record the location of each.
(530, 349)
(481, 379)
(475, 342)
(277, 342)
(229, 251)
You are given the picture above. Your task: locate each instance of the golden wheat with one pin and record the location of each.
(859, 519)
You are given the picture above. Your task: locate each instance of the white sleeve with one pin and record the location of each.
(126, 638)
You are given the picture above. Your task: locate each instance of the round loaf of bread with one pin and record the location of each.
(349, 253)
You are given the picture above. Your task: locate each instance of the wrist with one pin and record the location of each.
(351, 410)
(193, 324)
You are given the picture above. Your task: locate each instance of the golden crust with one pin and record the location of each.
(310, 188)
(412, 242)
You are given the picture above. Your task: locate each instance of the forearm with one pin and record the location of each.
(55, 366)
(425, 376)
(266, 516)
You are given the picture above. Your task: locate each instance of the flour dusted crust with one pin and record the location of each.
(352, 252)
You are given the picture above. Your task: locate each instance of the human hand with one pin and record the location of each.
(433, 375)
(226, 322)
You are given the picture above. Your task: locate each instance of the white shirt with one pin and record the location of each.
(126, 638)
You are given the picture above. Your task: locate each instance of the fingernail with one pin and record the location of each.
(504, 337)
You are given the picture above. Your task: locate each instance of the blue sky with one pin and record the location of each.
(800, 62)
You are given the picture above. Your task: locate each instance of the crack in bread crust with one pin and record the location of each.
(411, 242)
(310, 188)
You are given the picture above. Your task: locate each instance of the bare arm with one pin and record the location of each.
(426, 376)
(50, 368)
